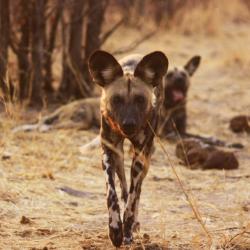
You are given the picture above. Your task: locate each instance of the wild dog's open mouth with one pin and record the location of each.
(177, 95)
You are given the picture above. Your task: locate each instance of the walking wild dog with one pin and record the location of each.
(130, 101)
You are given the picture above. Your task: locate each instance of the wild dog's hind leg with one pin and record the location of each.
(139, 170)
(111, 160)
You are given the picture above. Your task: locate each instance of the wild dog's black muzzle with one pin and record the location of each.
(180, 82)
(129, 126)
(129, 119)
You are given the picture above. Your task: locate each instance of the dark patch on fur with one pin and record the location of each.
(128, 223)
(138, 167)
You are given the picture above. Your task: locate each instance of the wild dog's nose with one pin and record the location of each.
(129, 126)
(180, 81)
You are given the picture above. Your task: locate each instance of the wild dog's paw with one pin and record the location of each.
(116, 235)
(128, 240)
(128, 229)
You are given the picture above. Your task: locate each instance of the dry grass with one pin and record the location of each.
(209, 17)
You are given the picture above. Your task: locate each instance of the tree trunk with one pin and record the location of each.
(94, 25)
(23, 50)
(4, 42)
(126, 7)
(71, 84)
(93, 30)
(38, 33)
(50, 48)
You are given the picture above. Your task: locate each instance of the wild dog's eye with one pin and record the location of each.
(183, 74)
(117, 100)
(140, 99)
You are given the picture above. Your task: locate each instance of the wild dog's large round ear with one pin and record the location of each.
(104, 68)
(192, 65)
(152, 68)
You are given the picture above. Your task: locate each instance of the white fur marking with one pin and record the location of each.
(114, 217)
(110, 190)
(127, 239)
(154, 100)
(149, 73)
(132, 197)
(141, 137)
(108, 74)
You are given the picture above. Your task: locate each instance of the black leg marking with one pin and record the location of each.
(112, 162)
(115, 224)
(143, 144)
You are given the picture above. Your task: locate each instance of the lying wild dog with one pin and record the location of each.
(83, 114)
(195, 154)
(130, 104)
(173, 118)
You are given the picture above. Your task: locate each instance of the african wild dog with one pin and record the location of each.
(176, 86)
(130, 101)
(81, 114)
(173, 113)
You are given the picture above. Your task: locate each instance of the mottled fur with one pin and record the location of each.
(128, 106)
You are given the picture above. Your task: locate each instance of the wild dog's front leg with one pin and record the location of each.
(139, 170)
(110, 160)
(121, 172)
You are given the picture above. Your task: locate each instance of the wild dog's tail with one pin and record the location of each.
(213, 141)
(44, 125)
(32, 127)
(93, 144)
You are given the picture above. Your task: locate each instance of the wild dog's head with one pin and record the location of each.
(127, 88)
(177, 82)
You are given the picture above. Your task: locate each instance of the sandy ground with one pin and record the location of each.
(36, 168)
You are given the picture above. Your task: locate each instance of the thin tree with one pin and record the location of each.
(21, 47)
(96, 11)
(37, 47)
(52, 24)
(72, 58)
(4, 43)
